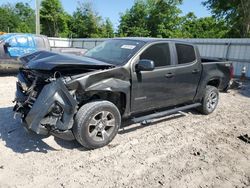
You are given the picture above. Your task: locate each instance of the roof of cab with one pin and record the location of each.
(149, 39)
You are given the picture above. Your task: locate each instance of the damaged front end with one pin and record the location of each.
(45, 104)
(52, 86)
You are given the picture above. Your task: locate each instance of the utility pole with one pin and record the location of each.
(38, 17)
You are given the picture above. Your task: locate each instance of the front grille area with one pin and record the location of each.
(28, 88)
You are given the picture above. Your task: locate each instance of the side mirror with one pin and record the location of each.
(145, 65)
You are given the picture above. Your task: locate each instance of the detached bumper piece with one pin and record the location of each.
(245, 138)
(52, 111)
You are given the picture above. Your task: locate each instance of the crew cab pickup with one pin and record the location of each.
(140, 79)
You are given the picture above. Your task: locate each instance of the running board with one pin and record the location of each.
(164, 113)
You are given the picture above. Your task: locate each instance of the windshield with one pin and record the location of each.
(115, 51)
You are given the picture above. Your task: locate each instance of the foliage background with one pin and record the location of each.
(146, 18)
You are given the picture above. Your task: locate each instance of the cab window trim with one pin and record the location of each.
(155, 43)
(176, 55)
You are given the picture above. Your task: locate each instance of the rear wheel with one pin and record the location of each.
(96, 124)
(210, 100)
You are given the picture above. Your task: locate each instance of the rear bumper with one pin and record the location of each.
(52, 111)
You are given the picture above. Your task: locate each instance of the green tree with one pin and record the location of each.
(134, 22)
(207, 27)
(155, 18)
(86, 23)
(26, 15)
(235, 12)
(17, 18)
(163, 17)
(107, 29)
(8, 19)
(54, 20)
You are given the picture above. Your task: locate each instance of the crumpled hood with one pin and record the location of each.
(46, 60)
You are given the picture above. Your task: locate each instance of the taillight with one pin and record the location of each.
(231, 71)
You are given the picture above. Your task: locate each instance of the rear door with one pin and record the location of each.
(187, 72)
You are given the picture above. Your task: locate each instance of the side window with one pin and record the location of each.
(12, 41)
(30, 42)
(22, 41)
(39, 42)
(185, 53)
(159, 53)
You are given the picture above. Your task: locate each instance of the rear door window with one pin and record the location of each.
(159, 53)
(185, 53)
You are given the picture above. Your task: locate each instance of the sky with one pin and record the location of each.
(113, 8)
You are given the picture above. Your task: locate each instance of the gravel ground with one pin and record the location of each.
(183, 150)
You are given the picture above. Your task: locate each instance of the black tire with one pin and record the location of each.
(210, 100)
(92, 127)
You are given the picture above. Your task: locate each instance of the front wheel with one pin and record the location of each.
(210, 100)
(96, 124)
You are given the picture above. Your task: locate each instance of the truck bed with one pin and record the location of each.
(217, 68)
(212, 60)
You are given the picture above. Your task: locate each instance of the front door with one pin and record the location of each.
(150, 89)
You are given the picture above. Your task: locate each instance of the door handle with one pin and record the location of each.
(195, 71)
(169, 75)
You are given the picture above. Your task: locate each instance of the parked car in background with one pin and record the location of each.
(15, 45)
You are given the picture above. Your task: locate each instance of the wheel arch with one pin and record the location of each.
(118, 98)
(214, 82)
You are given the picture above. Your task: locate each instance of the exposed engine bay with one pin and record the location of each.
(44, 102)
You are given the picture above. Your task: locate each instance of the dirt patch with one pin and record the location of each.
(189, 150)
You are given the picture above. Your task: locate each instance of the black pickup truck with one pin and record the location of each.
(140, 79)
